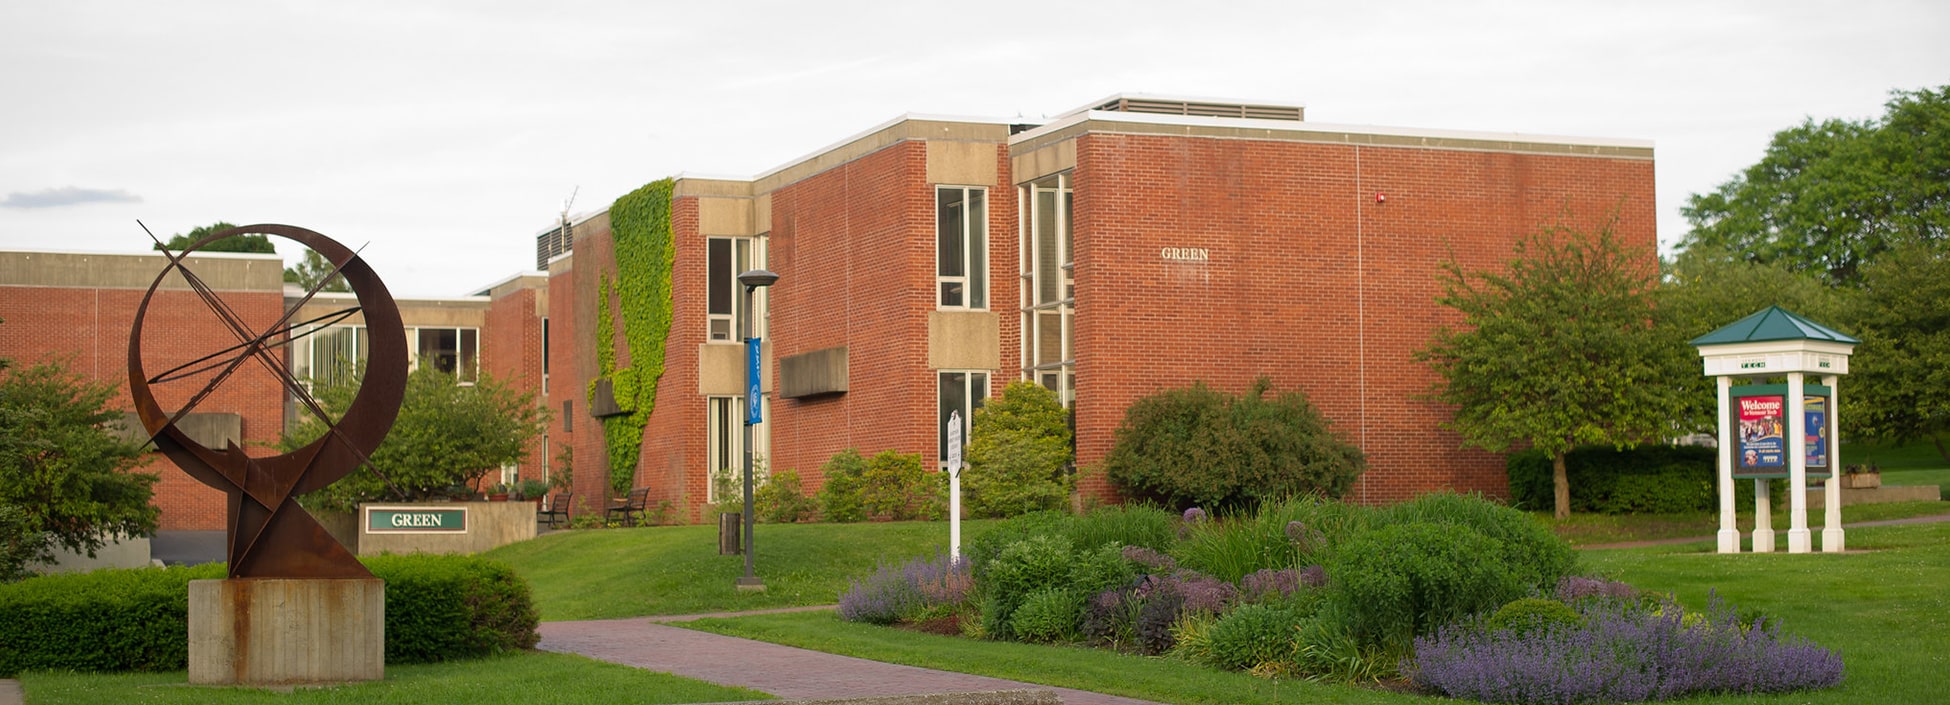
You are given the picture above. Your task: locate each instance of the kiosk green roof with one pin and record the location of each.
(1770, 324)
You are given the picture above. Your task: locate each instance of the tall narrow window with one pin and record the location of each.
(725, 447)
(1048, 288)
(961, 247)
(725, 259)
(962, 392)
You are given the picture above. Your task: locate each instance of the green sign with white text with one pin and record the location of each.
(392, 520)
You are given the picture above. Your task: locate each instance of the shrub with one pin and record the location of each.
(1399, 581)
(896, 593)
(894, 487)
(1622, 654)
(1024, 568)
(1576, 587)
(437, 608)
(1325, 648)
(1018, 449)
(1204, 447)
(1103, 569)
(441, 608)
(22, 543)
(1648, 478)
(1534, 614)
(1250, 636)
(1537, 557)
(1047, 615)
(1124, 525)
(782, 501)
(839, 495)
(982, 549)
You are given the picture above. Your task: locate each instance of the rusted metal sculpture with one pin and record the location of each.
(270, 536)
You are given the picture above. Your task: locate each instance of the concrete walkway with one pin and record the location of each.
(1748, 532)
(10, 692)
(783, 671)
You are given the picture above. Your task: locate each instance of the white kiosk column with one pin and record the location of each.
(1799, 540)
(1832, 540)
(1729, 527)
(1763, 518)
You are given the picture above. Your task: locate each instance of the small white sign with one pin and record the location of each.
(954, 442)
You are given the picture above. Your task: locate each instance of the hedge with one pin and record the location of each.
(437, 608)
(1653, 479)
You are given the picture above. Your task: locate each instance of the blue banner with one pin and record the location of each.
(754, 408)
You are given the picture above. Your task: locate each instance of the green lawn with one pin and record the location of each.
(1913, 464)
(530, 678)
(611, 573)
(1884, 607)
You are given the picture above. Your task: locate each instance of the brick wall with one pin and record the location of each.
(87, 331)
(511, 352)
(1311, 282)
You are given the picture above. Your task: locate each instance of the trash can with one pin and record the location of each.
(730, 530)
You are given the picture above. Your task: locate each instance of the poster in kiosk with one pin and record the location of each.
(1760, 430)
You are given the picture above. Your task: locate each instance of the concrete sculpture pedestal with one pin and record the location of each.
(271, 631)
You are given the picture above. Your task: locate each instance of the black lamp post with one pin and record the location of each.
(753, 281)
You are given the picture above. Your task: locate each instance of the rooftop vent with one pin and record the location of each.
(1168, 106)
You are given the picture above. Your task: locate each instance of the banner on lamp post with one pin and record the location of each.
(754, 411)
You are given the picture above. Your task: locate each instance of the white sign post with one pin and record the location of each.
(954, 485)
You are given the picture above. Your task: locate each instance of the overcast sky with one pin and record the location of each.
(443, 135)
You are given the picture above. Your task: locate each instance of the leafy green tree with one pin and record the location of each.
(1558, 350)
(1017, 451)
(311, 269)
(1830, 196)
(1900, 372)
(1200, 446)
(1701, 294)
(67, 478)
(447, 434)
(239, 243)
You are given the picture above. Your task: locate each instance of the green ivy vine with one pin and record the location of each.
(640, 224)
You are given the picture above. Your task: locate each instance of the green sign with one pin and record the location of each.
(394, 520)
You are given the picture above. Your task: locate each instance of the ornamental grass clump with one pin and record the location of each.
(898, 593)
(1621, 653)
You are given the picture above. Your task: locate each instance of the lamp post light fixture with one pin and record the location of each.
(753, 281)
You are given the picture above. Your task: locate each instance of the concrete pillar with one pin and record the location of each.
(1799, 540)
(268, 631)
(1763, 518)
(1832, 540)
(1729, 537)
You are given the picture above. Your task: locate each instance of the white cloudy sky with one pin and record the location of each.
(444, 135)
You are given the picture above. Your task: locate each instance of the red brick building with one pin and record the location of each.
(1113, 252)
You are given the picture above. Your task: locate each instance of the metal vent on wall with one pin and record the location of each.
(1292, 113)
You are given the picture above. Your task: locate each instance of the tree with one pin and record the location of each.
(1200, 446)
(1699, 294)
(447, 435)
(311, 269)
(1558, 351)
(1830, 196)
(64, 473)
(1899, 374)
(1017, 450)
(236, 243)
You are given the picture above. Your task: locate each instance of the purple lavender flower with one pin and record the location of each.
(1576, 587)
(1152, 560)
(896, 592)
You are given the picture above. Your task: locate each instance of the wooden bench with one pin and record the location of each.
(557, 511)
(631, 508)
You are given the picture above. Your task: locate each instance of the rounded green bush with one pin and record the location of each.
(1198, 446)
(1025, 567)
(1537, 557)
(1047, 616)
(1249, 636)
(1534, 614)
(1406, 579)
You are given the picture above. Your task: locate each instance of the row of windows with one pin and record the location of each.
(327, 354)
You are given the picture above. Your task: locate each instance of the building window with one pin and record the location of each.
(1048, 289)
(327, 355)
(961, 247)
(725, 259)
(726, 448)
(962, 392)
(544, 361)
(451, 350)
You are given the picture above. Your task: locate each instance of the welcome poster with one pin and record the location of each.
(1763, 432)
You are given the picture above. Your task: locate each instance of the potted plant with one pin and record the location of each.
(499, 492)
(531, 490)
(1861, 477)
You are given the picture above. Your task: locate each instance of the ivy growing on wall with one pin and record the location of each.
(640, 224)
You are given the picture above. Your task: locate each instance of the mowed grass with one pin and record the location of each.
(528, 678)
(1913, 464)
(1883, 607)
(666, 570)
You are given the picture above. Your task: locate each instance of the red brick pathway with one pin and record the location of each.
(783, 671)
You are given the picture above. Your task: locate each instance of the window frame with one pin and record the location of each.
(970, 403)
(973, 249)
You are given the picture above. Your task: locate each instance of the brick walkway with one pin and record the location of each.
(783, 671)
